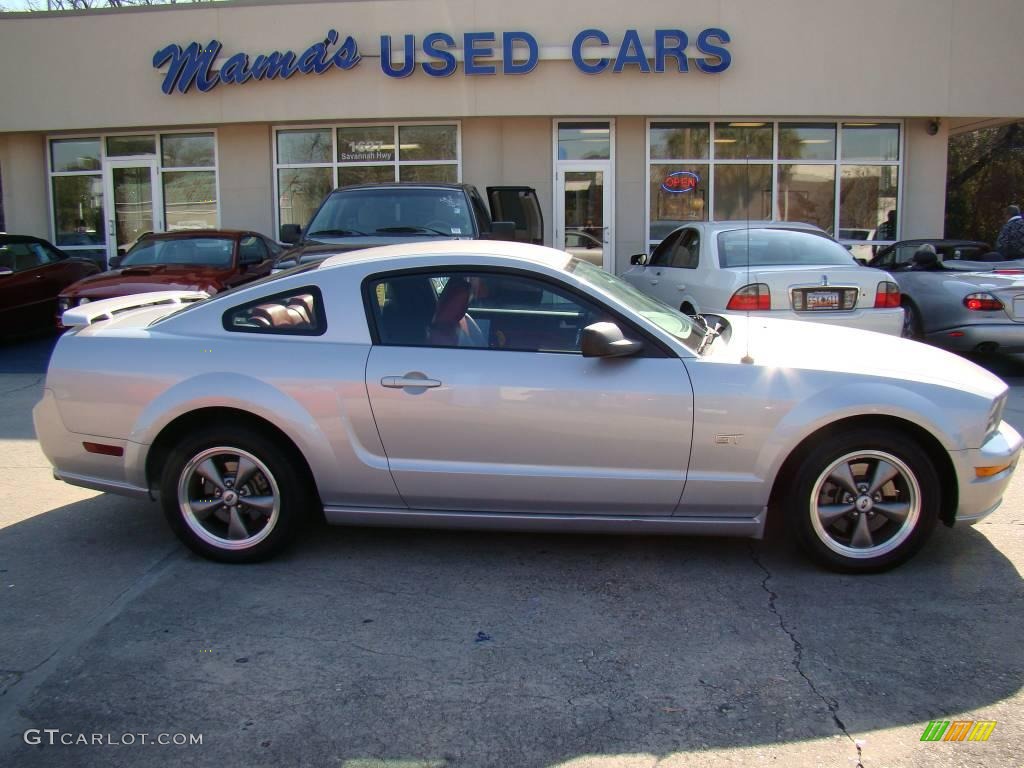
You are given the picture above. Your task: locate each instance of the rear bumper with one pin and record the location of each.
(1008, 337)
(979, 496)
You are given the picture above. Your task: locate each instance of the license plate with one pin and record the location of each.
(822, 299)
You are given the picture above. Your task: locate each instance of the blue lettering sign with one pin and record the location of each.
(663, 50)
(577, 51)
(710, 42)
(387, 65)
(430, 48)
(470, 51)
(631, 52)
(509, 65)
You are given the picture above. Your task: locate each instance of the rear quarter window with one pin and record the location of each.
(297, 312)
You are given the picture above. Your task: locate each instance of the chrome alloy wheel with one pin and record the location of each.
(228, 498)
(865, 504)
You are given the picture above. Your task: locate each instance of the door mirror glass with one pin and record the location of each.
(638, 259)
(290, 233)
(606, 340)
(503, 230)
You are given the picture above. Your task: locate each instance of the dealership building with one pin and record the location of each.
(627, 118)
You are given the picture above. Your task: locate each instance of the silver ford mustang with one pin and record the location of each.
(499, 385)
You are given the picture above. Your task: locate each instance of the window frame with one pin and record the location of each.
(653, 347)
(775, 162)
(335, 165)
(318, 310)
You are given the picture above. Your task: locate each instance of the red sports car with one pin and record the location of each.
(32, 274)
(195, 260)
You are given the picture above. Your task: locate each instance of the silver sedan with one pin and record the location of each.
(499, 385)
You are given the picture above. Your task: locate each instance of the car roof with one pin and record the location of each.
(187, 234)
(537, 254)
(5, 238)
(939, 241)
(724, 226)
(400, 185)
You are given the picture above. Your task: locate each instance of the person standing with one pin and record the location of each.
(1010, 242)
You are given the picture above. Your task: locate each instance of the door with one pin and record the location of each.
(672, 269)
(518, 205)
(484, 403)
(583, 224)
(133, 200)
(29, 284)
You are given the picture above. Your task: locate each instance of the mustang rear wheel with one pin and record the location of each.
(865, 500)
(231, 495)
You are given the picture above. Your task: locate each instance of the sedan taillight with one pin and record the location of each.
(887, 295)
(755, 296)
(982, 302)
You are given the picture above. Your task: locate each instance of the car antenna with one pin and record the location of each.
(747, 359)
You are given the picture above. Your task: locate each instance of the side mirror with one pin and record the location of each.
(115, 261)
(861, 260)
(503, 230)
(6, 271)
(638, 259)
(606, 340)
(290, 233)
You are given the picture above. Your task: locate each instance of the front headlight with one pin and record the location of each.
(83, 301)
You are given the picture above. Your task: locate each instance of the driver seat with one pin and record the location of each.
(451, 326)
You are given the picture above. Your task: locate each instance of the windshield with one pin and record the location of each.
(393, 211)
(197, 251)
(778, 247)
(667, 318)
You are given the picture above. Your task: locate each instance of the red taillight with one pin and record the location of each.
(887, 295)
(982, 302)
(751, 297)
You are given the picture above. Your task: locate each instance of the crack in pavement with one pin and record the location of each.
(798, 654)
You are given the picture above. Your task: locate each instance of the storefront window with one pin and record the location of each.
(124, 146)
(311, 160)
(298, 147)
(743, 192)
(841, 176)
(68, 155)
(868, 202)
(300, 192)
(742, 141)
(680, 141)
(807, 141)
(678, 194)
(584, 141)
(188, 150)
(78, 210)
(871, 142)
(808, 193)
(190, 200)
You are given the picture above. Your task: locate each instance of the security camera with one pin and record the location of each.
(933, 126)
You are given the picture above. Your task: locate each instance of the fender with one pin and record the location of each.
(212, 390)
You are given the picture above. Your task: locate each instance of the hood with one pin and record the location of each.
(806, 345)
(145, 279)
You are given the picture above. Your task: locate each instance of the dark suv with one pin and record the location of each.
(368, 215)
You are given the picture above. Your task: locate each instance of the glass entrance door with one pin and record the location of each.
(133, 202)
(584, 222)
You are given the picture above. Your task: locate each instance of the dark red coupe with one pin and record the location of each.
(32, 274)
(194, 260)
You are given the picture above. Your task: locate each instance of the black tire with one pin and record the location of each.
(293, 495)
(911, 323)
(843, 544)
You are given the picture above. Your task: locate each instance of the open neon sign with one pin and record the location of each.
(680, 181)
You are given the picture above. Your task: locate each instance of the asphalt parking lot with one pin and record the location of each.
(367, 648)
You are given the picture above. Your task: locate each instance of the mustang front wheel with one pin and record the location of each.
(231, 495)
(864, 501)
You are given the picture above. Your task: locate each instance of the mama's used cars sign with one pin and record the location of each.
(437, 55)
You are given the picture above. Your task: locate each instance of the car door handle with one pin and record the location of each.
(403, 382)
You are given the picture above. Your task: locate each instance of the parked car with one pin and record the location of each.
(194, 260)
(501, 385)
(897, 254)
(32, 273)
(369, 215)
(962, 305)
(783, 270)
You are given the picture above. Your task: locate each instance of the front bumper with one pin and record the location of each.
(979, 496)
(1006, 337)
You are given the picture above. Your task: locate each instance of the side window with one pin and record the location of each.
(662, 256)
(251, 250)
(296, 312)
(687, 253)
(479, 310)
(19, 257)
